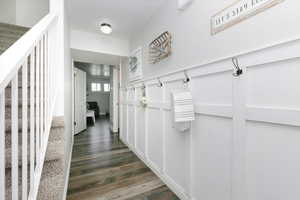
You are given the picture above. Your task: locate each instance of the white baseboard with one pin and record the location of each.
(68, 172)
(173, 186)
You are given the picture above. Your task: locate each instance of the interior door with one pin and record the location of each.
(80, 100)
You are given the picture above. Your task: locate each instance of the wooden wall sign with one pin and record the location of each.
(160, 48)
(239, 11)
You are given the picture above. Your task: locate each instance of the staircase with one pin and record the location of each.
(51, 182)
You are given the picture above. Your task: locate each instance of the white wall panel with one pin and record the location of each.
(140, 127)
(213, 88)
(273, 162)
(155, 128)
(155, 138)
(211, 158)
(123, 133)
(274, 84)
(131, 125)
(177, 154)
(245, 141)
(131, 117)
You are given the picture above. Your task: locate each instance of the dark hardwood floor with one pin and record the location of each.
(103, 168)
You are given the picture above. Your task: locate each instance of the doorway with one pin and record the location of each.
(95, 95)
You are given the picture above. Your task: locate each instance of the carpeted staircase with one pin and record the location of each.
(52, 181)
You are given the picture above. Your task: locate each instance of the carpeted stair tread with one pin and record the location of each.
(5, 42)
(12, 27)
(52, 188)
(57, 134)
(58, 122)
(8, 125)
(9, 34)
(53, 172)
(55, 151)
(52, 181)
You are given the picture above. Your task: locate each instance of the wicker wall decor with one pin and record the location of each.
(160, 48)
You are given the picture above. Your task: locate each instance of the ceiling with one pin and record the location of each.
(94, 57)
(95, 70)
(125, 16)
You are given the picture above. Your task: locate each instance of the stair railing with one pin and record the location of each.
(28, 69)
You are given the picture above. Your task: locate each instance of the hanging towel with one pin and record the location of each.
(183, 110)
(183, 107)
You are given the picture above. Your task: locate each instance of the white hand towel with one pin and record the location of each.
(183, 106)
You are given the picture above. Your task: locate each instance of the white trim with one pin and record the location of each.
(68, 170)
(238, 188)
(284, 116)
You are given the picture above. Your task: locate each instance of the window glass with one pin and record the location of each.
(106, 70)
(96, 87)
(106, 87)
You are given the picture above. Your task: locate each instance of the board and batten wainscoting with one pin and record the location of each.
(246, 134)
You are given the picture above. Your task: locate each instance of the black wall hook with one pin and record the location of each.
(160, 84)
(239, 70)
(187, 79)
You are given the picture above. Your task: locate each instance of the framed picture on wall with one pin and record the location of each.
(135, 65)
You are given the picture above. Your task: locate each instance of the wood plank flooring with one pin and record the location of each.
(103, 168)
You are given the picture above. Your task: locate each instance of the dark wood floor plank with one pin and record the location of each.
(103, 168)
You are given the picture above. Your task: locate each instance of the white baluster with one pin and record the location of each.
(37, 101)
(14, 138)
(42, 94)
(2, 144)
(24, 129)
(32, 118)
(46, 80)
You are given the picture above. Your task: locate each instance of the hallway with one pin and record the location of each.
(104, 168)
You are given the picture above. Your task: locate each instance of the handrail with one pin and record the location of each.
(29, 67)
(12, 58)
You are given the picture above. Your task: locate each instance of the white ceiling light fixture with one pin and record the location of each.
(106, 28)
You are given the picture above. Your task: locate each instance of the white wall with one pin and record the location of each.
(193, 43)
(245, 139)
(93, 42)
(30, 12)
(8, 11)
(24, 13)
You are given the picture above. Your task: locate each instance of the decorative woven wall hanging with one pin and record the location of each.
(160, 48)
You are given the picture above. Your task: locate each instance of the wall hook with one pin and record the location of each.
(187, 79)
(236, 65)
(160, 84)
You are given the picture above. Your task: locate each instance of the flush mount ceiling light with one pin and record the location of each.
(106, 28)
